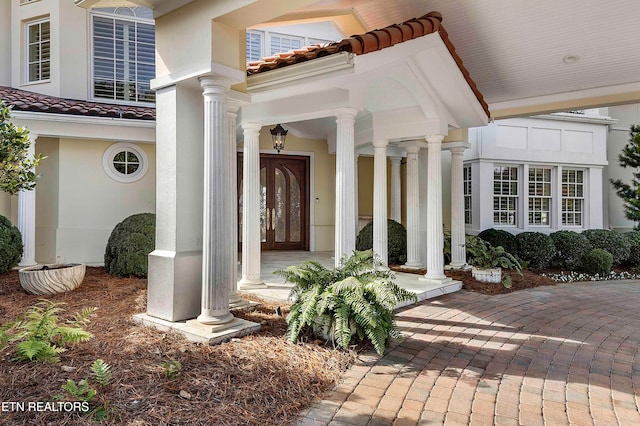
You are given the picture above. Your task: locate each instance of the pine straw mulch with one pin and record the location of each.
(258, 379)
(528, 279)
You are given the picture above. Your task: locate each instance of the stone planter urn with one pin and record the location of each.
(492, 275)
(44, 280)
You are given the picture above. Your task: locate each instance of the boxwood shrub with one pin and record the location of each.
(611, 241)
(10, 245)
(598, 261)
(570, 249)
(130, 243)
(397, 241)
(535, 248)
(633, 238)
(498, 237)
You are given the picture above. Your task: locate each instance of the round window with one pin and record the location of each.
(125, 162)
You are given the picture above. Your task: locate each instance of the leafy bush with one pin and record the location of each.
(535, 248)
(101, 372)
(498, 237)
(354, 300)
(633, 238)
(10, 245)
(129, 245)
(486, 256)
(611, 241)
(397, 241)
(40, 335)
(598, 261)
(570, 249)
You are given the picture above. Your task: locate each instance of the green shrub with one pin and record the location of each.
(611, 241)
(498, 237)
(570, 249)
(129, 246)
(354, 300)
(535, 248)
(397, 241)
(598, 261)
(10, 245)
(633, 238)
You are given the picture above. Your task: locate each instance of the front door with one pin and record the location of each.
(284, 202)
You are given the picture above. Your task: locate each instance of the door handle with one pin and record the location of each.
(273, 219)
(268, 218)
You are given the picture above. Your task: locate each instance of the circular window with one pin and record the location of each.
(125, 162)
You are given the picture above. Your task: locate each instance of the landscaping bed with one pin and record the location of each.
(159, 378)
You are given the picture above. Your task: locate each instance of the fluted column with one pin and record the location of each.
(345, 232)
(413, 208)
(216, 254)
(380, 236)
(458, 252)
(27, 216)
(435, 238)
(232, 114)
(356, 190)
(251, 206)
(396, 202)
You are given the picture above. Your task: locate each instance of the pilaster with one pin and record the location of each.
(233, 106)
(396, 202)
(435, 238)
(413, 207)
(458, 251)
(380, 236)
(27, 215)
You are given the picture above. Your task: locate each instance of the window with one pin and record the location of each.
(38, 51)
(505, 195)
(572, 197)
(466, 179)
(123, 54)
(284, 43)
(265, 43)
(125, 162)
(539, 196)
(254, 45)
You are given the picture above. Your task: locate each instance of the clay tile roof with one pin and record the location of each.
(371, 41)
(22, 100)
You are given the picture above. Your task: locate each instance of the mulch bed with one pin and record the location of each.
(258, 379)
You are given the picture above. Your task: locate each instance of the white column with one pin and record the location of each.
(380, 236)
(345, 232)
(232, 114)
(251, 206)
(413, 208)
(435, 238)
(458, 251)
(355, 171)
(27, 216)
(216, 254)
(396, 202)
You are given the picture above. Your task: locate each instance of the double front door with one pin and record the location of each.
(284, 202)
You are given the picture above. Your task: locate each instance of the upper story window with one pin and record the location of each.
(38, 50)
(123, 60)
(265, 43)
(539, 196)
(505, 195)
(572, 197)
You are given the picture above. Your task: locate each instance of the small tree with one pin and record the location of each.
(630, 157)
(16, 169)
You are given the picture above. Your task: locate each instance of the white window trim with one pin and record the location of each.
(519, 219)
(467, 183)
(107, 162)
(97, 12)
(27, 25)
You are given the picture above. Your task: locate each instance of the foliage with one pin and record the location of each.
(499, 237)
(396, 241)
(630, 193)
(42, 337)
(598, 261)
(356, 299)
(129, 245)
(101, 372)
(535, 248)
(633, 238)
(172, 368)
(80, 391)
(486, 256)
(10, 245)
(570, 249)
(16, 169)
(611, 241)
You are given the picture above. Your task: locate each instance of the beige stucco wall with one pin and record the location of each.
(9, 207)
(47, 200)
(90, 203)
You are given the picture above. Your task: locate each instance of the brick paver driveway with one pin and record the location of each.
(558, 355)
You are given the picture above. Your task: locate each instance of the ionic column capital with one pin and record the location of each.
(250, 128)
(434, 139)
(213, 84)
(457, 151)
(381, 143)
(345, 113)
(395, 160)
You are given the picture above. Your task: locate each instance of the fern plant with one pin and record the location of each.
(101, 372)
(354, 300)
(41, 337)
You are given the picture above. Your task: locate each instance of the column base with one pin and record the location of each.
(413, 265)
(193, 331)
(436, 280)
(27, 262)
(247, 284)
(457, 267)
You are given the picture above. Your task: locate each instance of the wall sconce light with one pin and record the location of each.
(278, 135)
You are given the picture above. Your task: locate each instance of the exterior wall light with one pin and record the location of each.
(278, 135)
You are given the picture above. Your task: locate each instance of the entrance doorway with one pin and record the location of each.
(284, 202)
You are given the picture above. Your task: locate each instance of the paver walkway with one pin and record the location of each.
(557, 355)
